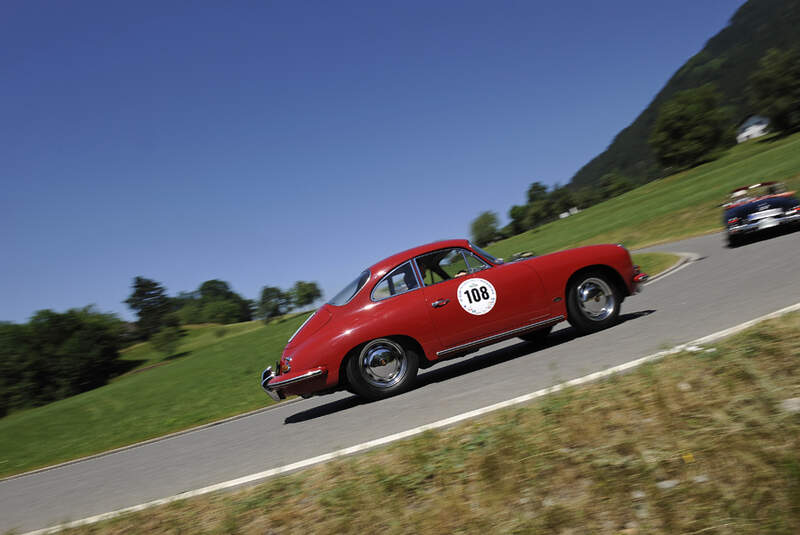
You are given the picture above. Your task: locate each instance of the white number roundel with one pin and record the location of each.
(477, 296)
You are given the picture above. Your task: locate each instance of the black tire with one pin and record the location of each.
(538, 336)
(593, 302)
(382, 368)
(734, 240)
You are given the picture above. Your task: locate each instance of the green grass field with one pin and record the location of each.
(700, 442)
(215, 372)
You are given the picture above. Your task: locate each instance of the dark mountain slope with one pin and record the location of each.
(727, 60)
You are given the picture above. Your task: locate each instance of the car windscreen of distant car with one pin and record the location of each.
(344, 297)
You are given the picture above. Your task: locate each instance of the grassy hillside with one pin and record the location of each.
(681, 205)
(210, 378)
(700, 442)
(727, 60)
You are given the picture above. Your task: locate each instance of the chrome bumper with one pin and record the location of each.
(274, 388)
(638, 282)
(764, 224)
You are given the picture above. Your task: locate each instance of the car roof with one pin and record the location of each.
(381, 268)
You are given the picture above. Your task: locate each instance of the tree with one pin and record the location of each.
(304, 293)
(538, 212)
(561, 199)
(221, 312)
(517, 216)
(191, 312)
(274, 302)
(166, 340)
(689, 127)
(215, 290)
(484, 228)
(587, 196)
(235, 307)
(775, 88)
(150, 301)
(613, 184)
(57, 355)
(537, 192)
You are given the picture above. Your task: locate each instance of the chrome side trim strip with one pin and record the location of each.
(507, 334)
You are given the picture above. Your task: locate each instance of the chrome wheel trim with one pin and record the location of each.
(596, 299)
(383, 363)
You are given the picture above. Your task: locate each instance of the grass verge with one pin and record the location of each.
(699, 442)
(655, 263)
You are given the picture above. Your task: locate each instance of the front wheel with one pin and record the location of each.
(592, 302)
(381, 369)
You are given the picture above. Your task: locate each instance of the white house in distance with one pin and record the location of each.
(572, 211)
(755, 126)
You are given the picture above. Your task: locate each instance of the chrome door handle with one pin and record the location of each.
(440, 303)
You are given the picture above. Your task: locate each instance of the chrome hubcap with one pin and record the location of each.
(383, 363)
(595, 299)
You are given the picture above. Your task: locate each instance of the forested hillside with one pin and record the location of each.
(727, 61)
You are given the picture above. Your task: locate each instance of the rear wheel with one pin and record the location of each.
(381, 369)
(734, 240)
(593, 302)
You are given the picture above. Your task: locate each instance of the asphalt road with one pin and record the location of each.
(724, 287)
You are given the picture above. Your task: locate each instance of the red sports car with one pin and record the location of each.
(444, 300)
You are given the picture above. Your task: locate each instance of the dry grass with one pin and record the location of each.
(696, 443)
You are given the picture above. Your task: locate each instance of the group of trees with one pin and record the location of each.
(544, 205)
(692, 127)
(56, 355)
(276, 302)
(159, 315)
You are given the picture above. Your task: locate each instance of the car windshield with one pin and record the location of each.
(344, 297)
(754, 192)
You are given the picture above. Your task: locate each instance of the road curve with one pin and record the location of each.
(720, 289)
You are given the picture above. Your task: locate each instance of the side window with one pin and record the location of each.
(447, 264)
(474, 263)
(399, 281)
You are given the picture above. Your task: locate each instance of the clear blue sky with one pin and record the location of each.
(263, 143)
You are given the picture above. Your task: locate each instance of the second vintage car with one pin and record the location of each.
(443, 300)
(759, 207)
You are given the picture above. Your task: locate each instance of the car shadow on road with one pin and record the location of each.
(446, 372)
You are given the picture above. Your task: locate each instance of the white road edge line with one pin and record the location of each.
(685, 260)
(418, 430)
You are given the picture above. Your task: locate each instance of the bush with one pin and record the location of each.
(56, 356)
(166, 340)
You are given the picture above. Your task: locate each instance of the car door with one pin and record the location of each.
(470, 300)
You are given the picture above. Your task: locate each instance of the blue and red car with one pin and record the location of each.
(757, 208)
(444, 300)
